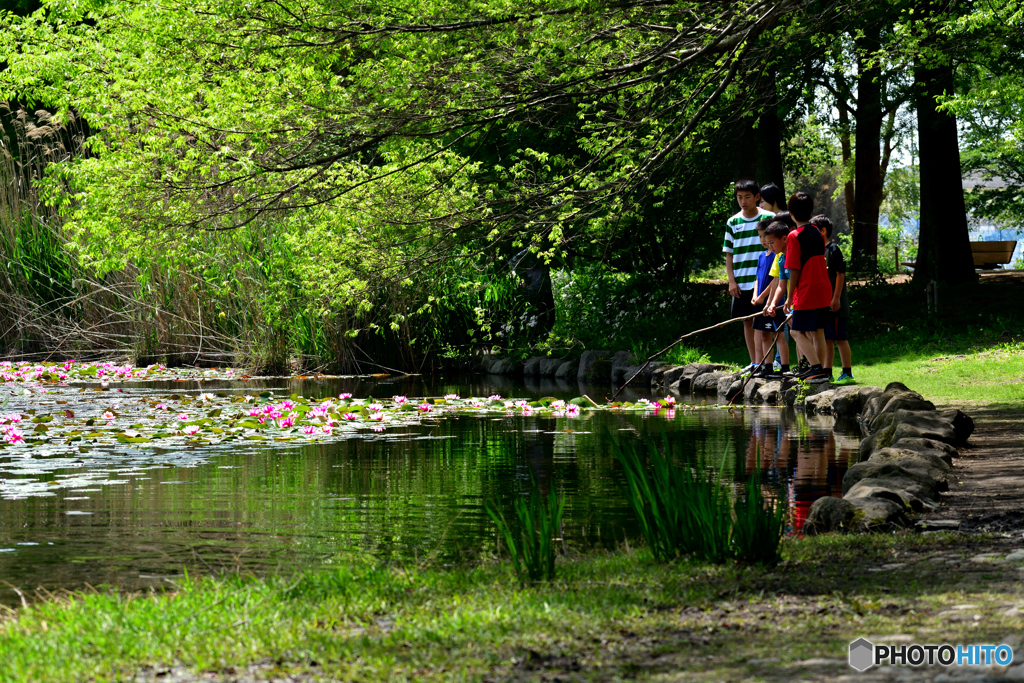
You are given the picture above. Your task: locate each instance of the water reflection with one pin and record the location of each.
(400, 496)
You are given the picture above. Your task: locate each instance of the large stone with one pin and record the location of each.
(901, 490)
(794, 393)
(750, 391)
(729, 386)
(501, 366)
(942, 450)
(924, 425)
(594, 366)
(963, 424)
(549, 366)
(567, 370)
(531, 368)
(920, 464)
(691, 372)
(769, 393)
(875, 441)
(848, 401)
(829, 514)
(896, 473)
(708, 382)
(666, 375)
(873, 405)
(888, 412)
(820, 402)
(621, 362)
(878, 514)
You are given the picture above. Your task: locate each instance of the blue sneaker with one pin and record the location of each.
(845, 379)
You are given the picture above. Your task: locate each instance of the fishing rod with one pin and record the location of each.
(676, 343)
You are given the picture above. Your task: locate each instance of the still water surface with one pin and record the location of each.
(132, 517)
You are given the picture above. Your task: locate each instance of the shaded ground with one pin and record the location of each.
(988, 492)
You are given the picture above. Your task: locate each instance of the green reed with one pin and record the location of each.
(685, 509)
(532, 540)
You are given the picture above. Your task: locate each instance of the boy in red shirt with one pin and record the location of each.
(810, 290)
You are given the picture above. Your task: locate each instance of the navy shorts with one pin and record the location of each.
(766, 324)
(810, 320)
(835, 329)
(743, 305)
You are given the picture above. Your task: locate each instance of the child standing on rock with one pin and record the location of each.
(742, 247)
(835, 329)
(810, 291)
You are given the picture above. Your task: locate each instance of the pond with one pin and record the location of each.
(78, 508)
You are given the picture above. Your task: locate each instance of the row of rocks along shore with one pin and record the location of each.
(906, 455)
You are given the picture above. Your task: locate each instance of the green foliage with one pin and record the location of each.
(599, 308)
(760, 524)
(532, 541)
(684, 508)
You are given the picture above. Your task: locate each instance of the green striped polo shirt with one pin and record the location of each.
(743, 242)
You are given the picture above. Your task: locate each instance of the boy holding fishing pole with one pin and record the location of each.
(742, 247)
(810, 290)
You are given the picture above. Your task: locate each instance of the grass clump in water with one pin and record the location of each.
(687, 510)
(531, 542)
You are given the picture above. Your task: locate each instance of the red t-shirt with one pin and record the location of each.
(805, 251)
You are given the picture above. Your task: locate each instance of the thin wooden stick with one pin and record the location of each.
(676, 343)
(763, 359)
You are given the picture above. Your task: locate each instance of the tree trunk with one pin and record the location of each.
(758, 152)
(867, 162)
(944, 248)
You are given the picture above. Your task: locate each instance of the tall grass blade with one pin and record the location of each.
(531, 543)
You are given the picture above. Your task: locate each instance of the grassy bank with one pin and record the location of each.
(609, 615)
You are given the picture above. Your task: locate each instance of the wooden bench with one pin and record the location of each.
(989, 255)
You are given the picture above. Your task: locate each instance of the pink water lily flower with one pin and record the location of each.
(425, 407)
(510, 404)
(269, 408)
(399, 399)
(375, 407)
(309, 429)
(327, 429)
(274, 414)
(669, 401)
(286, 422)
(344, 395)
(572, 410)
(451, 397)
(495, 397)
(14, 436)
(183, 417)
(190, 429)
(377, 417)
(558, 405)
(12, 417)
(161, 406)
(254, 412)
(287, 405)
(349, 416)
(108, 416)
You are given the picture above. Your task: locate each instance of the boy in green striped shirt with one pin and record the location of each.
(742, 246)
